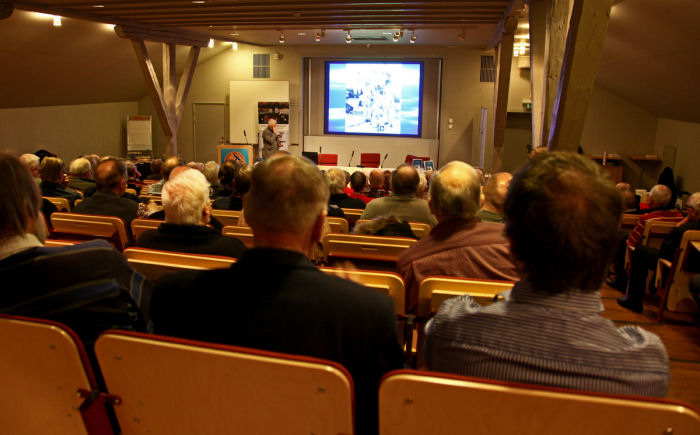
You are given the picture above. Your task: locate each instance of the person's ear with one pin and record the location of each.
(206, 215)
(317, 232)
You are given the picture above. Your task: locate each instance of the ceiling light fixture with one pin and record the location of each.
(348, 37)
(320, 35)
(413, 37)
(211, 43)
(281, 37)
(98, 6)
(462, 36)
(198, 2)
(398, 35)
(56, 21)
(234, 46)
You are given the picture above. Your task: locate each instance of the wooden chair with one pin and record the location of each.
(419, 228)
(413, 402)
(61, 204)
(370, 160)
(674, 292)
(153, 263)
(155, 198)
(86, 227)
(434, 290)
(140, 225)
(328, 159)
(628, 221)
(654, 233)
(57, 243)
(174, 386)
(46, 377)
(382, 252)
(227, 217)
(147, 182)
(131, 191)
(244, 234)
(338, 224)
(352, 215)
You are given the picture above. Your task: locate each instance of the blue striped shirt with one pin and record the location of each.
(555, 340)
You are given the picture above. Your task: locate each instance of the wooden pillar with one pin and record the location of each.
(504, 55)
(559, 14)
(584, 43)
(539, 56)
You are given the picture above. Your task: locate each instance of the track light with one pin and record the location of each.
(398, 35)
(211, 43)
(281, 37)
(320, 35)
(348, 37)
(462, 36)
(413, 37)
(56, 21)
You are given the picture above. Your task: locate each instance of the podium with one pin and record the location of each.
(240, 152)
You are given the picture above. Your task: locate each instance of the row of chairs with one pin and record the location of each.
(161, 384)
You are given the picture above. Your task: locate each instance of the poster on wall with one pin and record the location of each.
(280, 112)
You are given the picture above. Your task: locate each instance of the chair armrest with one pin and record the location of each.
(662, 268)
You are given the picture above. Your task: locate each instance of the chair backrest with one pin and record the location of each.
(433, 290)
(420, 229)
(628, 221)
(370, 160)
(244, 234)
(338, 224)
(656, 230)
(146, 181)
(43, 365)
(226, 217)
(153, 263)
(389, 283)
(677, 296)
(355, 246)
(328, 159)
(412, 402)
(352, 214)
(56, 243)
(169, 385)
(61, 204)
(86, 226)
(140, 225)
(155, 198)
(131, 191)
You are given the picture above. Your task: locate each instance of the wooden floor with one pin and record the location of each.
(679, 332)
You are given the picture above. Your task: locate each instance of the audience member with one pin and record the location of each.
(133, 178)
(460, 244)
(358, 185)
(187, 212)
(658, 203)
(385, 226)
(562, 217)
(169, 164)
(422, 185)
(196, 165)
(156, 167)
(211, 172)
(494, 196)
(80, 176)
(110, 177)
(89, 286)
(376, 184)
(402, 201)
(94, 159)
(387, 181)
(644, 258)
(240, 186)
(32, 162)
(53, 180)
(275, 299)
(336, 184)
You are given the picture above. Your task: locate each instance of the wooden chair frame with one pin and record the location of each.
(227, 217)
(338, 224)
(654, 233)
(356, 246)
(62, 204)
(418, 402)
(153, 263)
(140, 225)
(170, 385)
(85, 226)
(352, 214)
(420, 229)
(244, 234)
(674, 288)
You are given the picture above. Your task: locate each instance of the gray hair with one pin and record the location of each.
(211, 171)
(31, 161)
(184, 197)
(661, 194)
(455, 191)
(694, 201)
(336, 180)
(422, 185)
(287, 195)
(80, 166)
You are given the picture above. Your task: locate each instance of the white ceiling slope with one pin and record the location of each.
(650, 56)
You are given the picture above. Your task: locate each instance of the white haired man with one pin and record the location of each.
(460, 244)
(271, 140)
(33, 163)
(338, 198)
(80, 176)
(275, 299)
(187, 212)
(562, 218)
(211, 172)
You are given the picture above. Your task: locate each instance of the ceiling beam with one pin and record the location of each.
(500, 103)
(513, 10)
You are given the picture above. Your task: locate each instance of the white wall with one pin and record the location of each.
(68, 131)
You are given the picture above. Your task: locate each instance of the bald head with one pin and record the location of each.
(110, 175)
(177, 171)
(404, 180)
(455, 192)
(169, 164)
(495, 191)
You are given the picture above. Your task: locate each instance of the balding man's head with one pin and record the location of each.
(455, 192)
(177, 171)
(110, 175)
(495, 191)
(169, 164)
(404, 180)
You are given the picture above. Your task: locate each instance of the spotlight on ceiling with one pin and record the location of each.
(413, 37)
(398, 35)
(56, 21)
(211, 43)
(348, 37)
(462, 36)
(320, 35)
(281, 37)
(234, 46)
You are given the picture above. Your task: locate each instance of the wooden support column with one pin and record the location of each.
(584, 43)
(559, 15)
(500, 104)
(539, 56)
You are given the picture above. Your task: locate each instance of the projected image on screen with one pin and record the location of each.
(373, 98)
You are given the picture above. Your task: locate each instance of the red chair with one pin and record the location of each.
(370, 160)
(328, 159)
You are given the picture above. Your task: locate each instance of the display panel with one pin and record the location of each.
(373, 98)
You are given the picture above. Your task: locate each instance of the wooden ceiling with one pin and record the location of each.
(260, 22)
